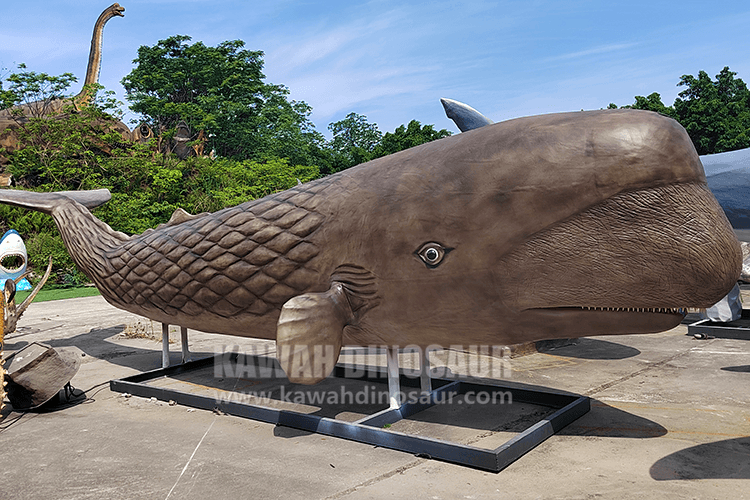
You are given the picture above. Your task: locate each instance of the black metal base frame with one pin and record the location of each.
(373, 429)
(738, 329)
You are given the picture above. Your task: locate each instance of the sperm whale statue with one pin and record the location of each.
(561, 225)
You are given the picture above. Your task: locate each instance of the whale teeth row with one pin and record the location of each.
(662, 310)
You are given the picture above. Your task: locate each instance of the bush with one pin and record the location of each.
(146, 187)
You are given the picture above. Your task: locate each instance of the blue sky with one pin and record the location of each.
(393, 60)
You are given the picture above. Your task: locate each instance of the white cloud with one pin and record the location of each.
(594, 51)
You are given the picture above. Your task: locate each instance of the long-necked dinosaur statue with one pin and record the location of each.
(95, 54)
(10, 119)
(554, 226)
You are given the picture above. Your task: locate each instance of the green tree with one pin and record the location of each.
(34, 94)
(220, 90)
(408, 136)
(146, 191)
(354, 141)
(55, 147)
(56, 144)
(7, 98)
(652, 103)
(716, 114)
(72, 149)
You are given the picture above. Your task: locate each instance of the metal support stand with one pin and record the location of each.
(374, 429)
(424, 374)
(164, 345)
(184, 344)
(738, 329)
(394, 386)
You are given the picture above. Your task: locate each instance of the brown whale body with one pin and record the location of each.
(550, 226)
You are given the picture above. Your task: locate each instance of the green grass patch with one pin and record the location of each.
(59, 293)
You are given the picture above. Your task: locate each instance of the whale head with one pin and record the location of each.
(551, 226)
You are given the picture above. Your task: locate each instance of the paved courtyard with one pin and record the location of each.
(670, 418)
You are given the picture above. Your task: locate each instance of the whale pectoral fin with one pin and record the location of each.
(309, 334)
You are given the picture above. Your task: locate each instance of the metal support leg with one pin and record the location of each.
(164, 345)
(184, 344)
(394, 385)
(424, 366)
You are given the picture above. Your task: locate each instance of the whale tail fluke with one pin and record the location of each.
(46, 202)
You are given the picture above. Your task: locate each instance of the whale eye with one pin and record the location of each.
(432, 254)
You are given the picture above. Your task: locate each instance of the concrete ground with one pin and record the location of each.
(670, 419)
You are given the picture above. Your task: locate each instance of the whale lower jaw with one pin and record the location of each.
(607, 320)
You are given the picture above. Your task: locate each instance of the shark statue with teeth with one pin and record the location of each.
(13, 260)
(553, 226)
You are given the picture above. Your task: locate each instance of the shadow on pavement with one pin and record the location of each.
(607, 421)
(95, 344)
(740, 369)
(726, 459)
(586, 348)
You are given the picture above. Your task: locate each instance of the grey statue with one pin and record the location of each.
(728, 176)
(561, 225)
